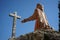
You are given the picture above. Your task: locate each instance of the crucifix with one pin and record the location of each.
(15, 17)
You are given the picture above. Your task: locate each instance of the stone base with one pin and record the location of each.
(43, 34)
(12, 39)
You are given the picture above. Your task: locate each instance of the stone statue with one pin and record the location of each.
(40, 17)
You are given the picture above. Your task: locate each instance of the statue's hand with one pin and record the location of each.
(23, 21)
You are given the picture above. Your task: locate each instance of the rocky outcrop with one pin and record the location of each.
(43, 34)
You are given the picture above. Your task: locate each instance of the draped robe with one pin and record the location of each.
(40, 18)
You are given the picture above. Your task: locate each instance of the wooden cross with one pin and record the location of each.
(14, 15)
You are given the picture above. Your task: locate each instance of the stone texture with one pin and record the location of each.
(43, 34)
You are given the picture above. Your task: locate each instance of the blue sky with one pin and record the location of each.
(25, 8)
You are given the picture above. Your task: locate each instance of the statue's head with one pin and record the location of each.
(40, 6)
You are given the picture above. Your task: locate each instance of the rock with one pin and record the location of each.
(43, 34)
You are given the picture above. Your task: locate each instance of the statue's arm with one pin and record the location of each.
(33, 17)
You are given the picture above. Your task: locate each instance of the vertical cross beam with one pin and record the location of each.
(14, 15)
(59, 15)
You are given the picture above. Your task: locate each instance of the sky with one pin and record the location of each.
(25, 8)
